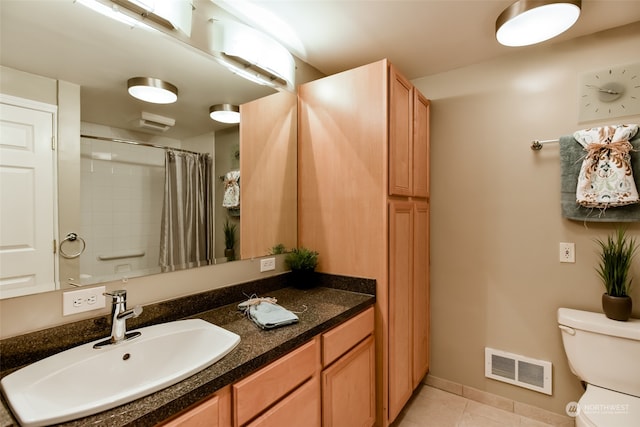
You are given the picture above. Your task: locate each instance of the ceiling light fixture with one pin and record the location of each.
(152, 90)
(528, 22)
(113, 12)
(174, 14)
(252, 55)
(225, 113)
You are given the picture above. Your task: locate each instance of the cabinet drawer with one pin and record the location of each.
(300, 408)
(260, 390)
(342, 338)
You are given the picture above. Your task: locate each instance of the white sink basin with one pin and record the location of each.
(82, 381)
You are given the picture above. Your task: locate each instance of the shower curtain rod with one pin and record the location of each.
(143, 144)
(537, 145)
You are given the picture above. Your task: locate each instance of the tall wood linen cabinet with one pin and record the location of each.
(363, 204)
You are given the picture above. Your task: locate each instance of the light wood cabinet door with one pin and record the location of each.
(300, 408)
(421, 106)
(348, 389)
(400, 134)
(401, 218)
(420, 292)
(213, 412)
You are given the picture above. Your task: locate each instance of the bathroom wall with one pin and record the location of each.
(496, 224)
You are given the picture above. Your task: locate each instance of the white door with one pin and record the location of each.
(27, 208)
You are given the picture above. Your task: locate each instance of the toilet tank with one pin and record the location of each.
(602, 351)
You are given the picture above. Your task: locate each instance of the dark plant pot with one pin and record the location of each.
(303, 279)
(230, 254)
(616, 308)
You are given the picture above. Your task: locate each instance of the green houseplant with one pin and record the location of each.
(616, 254)
(278, 249)
(229, 240)
(302, 262)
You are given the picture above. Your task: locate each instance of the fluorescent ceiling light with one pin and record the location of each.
(256, 16)
(152, 90)
(225, 113)
(528, 22)
(252, 54)
(171, 14)
(112, 12)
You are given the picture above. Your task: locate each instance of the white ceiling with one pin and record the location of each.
(422, 37)
(63, 40)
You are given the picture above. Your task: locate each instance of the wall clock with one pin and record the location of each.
(609, 93)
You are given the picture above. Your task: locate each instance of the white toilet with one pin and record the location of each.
(605, 354)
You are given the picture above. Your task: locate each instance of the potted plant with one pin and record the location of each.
(229, 240)
(615, 261)
(278, 249)
(302, 262)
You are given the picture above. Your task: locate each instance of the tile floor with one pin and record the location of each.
(431, 407)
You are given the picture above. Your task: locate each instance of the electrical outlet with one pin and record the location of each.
(267, 264)
(81, 300)
(567, 252)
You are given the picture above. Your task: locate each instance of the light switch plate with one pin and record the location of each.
(567, 252)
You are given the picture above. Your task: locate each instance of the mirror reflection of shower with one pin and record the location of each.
(123, 192)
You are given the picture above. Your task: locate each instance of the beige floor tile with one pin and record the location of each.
(528, 422)
(471, 419)
(431, 407)
(492, 413)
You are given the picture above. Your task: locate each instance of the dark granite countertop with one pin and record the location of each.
(319, 309)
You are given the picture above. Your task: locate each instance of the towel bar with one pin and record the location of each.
(130, 254)
(537, 145)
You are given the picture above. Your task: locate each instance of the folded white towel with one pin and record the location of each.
(267, 315)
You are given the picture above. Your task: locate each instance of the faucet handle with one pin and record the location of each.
(137, 310)
(117, 296)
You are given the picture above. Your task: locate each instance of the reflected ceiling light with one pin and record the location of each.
(225, 113)
(152, 90)
(252, 55)
(528, 22)
(112, 12)
(174, 14)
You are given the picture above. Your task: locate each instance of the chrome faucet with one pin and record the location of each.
(119, 316)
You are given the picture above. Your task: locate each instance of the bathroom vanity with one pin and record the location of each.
(297, 370)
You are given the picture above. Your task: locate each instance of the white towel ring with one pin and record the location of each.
(72, 237)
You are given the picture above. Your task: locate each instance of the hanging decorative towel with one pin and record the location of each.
(606, 178)
(231, 197)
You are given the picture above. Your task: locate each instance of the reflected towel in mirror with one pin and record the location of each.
(231, 197)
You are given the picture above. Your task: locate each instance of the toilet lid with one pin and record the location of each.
(606, 408)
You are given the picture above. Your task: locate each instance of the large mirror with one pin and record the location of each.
(111, 164)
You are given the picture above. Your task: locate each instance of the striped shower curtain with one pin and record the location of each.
(187, 218)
